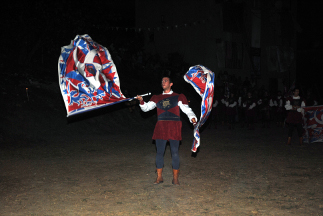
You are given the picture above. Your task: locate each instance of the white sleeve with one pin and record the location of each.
(150, 105)
(288, 106)
(280, 103)
(271, 103)
(301, 109)
(216, 103)
(259, 102)
(252, 106)
(234, 104)
(187, 110)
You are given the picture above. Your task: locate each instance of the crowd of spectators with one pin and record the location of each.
(244, 102)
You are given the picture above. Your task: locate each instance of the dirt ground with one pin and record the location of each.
(105, 165)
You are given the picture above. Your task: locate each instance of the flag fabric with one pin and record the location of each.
(313, 124)
(88, 78)
(202, 80)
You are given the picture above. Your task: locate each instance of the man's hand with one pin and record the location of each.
(296, 107)
(194, 121)
(139, 98)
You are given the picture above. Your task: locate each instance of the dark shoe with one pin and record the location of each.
(159, 176)
(175, 177)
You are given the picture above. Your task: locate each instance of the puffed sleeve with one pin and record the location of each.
(150, 105)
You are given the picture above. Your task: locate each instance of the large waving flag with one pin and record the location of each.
(202, 79)
(88, 78)
(313, 124)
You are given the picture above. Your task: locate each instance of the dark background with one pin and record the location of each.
(33, 34)
(310, 47)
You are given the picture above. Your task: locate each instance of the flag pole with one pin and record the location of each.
(105, 105)
(140, 96)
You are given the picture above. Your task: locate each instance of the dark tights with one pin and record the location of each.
(161, 146)
(291, 129)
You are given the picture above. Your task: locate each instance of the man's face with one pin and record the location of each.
(166, 84)
(296, 92)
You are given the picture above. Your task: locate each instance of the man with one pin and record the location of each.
(294, 107)
(241, 113)
(249, 105)
(265, 104)
(231, 110)
(168, 126)
(214, 117)
(278, 111)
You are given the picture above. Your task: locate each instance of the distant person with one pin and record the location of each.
(294, 105)
(249, 105)
(265, 104)
(231, 110)
(241, 110)
(278, 111)
(169, 125)
(214, 116)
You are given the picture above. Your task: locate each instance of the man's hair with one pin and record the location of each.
(170, 79)
(296, 88)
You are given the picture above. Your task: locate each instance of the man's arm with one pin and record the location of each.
(188, 111)
(252, 106)
(288, 106)
(300, 109)
(145, 107)
(233, 105)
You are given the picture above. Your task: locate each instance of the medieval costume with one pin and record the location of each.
(249, 105)
(265, 104)
(231, 110)
(278, 110)
(294, 106)
(168, 127)
(214, 113)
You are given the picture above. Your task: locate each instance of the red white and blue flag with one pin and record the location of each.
(313, 124)
(88, 77)
(202, 79)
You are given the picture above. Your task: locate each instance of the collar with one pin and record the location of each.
(170, 92)
(298, 97)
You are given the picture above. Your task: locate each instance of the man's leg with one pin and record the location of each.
(160, 145)
(300, 132)
(174, 146)
(290, 133)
